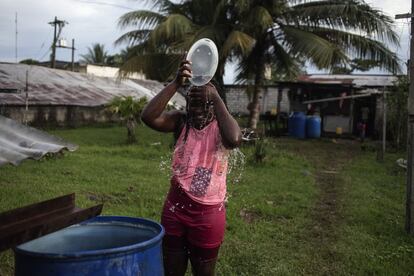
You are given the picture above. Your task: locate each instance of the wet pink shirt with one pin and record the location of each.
(199, 164)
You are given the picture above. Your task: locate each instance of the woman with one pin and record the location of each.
(194, 213)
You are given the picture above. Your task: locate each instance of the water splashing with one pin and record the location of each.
(165, 165)
(236, 163)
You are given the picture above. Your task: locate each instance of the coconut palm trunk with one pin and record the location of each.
(278, 107)
(254, 108)
(258, 72)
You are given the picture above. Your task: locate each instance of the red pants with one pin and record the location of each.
(200, 225)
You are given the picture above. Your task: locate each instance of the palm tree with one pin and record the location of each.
(257, 33)
(325, 33)
(163, 35)
(96, 54)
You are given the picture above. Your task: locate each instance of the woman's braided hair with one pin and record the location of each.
(208, 109)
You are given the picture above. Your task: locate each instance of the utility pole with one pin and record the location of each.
(15, 49)
(27, 98)
(384, 121)
(62, 44)
(73, 54)
(60, 24)
(409, 215)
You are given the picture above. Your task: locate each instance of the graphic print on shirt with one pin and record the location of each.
(200, 182)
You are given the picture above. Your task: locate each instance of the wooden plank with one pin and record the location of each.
(6, 229)
(29, 222)
(45, 226)
(36, 209)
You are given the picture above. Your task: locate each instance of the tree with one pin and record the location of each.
(354, 65)
(397, 115)
(114, 60)
(259, 33)
(162, 35)
(324, 33)
(29, 61)
(96, 54)
(129, 109)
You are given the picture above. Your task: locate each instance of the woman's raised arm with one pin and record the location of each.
(154, 114)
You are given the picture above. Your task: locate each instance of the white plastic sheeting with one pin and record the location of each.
(19, 142)
(59, 87)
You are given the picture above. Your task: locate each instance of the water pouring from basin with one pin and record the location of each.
(203, 55)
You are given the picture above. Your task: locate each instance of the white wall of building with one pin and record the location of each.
(109, 72)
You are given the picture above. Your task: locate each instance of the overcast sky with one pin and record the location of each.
(92, 21)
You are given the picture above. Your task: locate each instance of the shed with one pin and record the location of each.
(44, 96)
(343, 101)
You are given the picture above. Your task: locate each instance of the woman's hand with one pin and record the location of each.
(204, 93)
(184, 71)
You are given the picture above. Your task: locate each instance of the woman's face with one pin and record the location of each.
(199, 107)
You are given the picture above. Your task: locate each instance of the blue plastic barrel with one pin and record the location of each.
(101, 246)
(313, 127)
(297, 125)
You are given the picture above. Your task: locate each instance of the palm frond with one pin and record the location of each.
(361, 47)
(318, 50)
(173, 29)
(132, 37)
(143, 19)
(345, 14)
(217, 33)
(220, 11)
(155, 65)
(284, 63)
(96, 54)
(237, 42)
(259, 20)
(242, 5)
(166, 6)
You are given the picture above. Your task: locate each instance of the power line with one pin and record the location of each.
(43, 44)
(104, 4)
(48, 51)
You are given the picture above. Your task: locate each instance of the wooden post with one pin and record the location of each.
(384, 122)
(409, 221)
(73, 54)
(27, 98)
(53, 62)
(351, 113)
(278, 107)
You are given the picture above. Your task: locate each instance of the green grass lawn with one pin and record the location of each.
(269, 211)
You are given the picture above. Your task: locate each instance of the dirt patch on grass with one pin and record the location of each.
(107, 198)
(328, 157)
(249, 216)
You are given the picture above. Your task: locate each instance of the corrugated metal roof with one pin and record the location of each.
(355, 80)
(58, 87)
(19, 142)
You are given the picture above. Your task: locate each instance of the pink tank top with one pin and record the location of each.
(199, 164)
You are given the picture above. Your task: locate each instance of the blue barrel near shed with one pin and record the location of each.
(106, 245)
(313, 126)
(297, 125)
